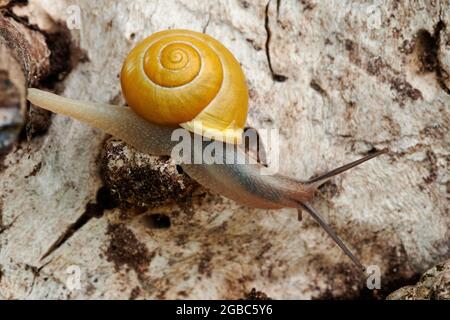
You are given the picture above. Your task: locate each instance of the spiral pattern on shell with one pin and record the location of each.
(186, 78)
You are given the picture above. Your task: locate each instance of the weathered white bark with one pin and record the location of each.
(345, 78)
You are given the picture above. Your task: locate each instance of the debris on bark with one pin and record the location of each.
(433, 285)
(256, 295)
(140, 180)
(29, 57)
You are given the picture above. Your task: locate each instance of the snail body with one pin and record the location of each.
(181, 78)
(240, 182)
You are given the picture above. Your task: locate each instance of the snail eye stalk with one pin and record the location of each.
(327, 176)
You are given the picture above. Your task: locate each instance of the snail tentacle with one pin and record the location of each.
(317, 181)
(316, 216)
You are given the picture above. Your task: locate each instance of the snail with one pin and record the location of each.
(182, 78)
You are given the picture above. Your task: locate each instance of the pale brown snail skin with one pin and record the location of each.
(242, 183)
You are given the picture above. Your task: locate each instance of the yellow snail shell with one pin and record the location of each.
(186, 78)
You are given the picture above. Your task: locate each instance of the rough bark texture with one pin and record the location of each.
(433, 285)
(23, 59)
(336, 78)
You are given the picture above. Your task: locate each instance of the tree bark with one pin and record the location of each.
(336, 78)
